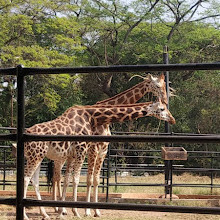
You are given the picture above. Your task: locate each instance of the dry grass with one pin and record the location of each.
(184, 178)
(8, 213)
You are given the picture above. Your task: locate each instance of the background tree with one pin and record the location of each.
(85, 33)
(39, 33)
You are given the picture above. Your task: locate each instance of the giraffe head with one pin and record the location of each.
(158, 87)
(108, 114)
(160, 111)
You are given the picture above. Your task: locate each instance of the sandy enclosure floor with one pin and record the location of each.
(8, 213)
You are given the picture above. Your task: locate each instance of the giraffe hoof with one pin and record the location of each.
(61, 213)
(88, 213)
(64, 211)
(25, 217)
(76, 214)
(97, 213)
(60, 217)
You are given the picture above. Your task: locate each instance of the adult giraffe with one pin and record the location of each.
(80, 120)
(97, 152)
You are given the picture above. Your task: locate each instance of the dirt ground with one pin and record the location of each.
(8, 213)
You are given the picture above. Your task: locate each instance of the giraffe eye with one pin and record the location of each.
(162, 109)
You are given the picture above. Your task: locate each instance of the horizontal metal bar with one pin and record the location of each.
(4, 147)
(9, 201)
(124, 206)
(7, 166)
(124, 68)
(7, 137)
(157, 151)
(196, 169)
(173, 185)
(126, 165)
(134, 156)
(143, 133)
(134, 150)
(8, 128)
(8, 71)
(124, 138)
(137, 184)
(155, 133)
(197, 185)
(204, 152)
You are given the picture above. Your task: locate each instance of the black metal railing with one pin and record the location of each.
(21, 137)
(115, 166)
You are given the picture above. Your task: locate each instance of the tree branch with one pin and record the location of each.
(139, 21)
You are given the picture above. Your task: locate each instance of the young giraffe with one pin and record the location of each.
(80, 120)
(97, 151)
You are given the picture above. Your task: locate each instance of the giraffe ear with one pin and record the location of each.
(159, 99)
(162, 77)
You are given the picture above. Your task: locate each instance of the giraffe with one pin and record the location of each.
(79, 120)
(97, 151)
(157, 109)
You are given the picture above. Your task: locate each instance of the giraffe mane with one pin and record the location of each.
(112, 106)
(123, 105)
(118, 106)
(113, 97)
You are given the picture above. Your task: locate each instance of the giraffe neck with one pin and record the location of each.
(102, 115)
(129, 96)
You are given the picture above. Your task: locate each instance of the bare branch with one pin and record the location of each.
(139, 21)
(206, 17)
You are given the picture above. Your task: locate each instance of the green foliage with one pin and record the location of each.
(59, 33)
(53, 93)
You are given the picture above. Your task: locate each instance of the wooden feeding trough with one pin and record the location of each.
(174, 153)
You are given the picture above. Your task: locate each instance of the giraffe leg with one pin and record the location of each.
(30, 170)
(92, 155)
(35, 183)
(97, 170)
(69, 169)
(57, 182)
(26, 183)
(80, 156)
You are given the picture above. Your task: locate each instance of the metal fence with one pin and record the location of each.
(120, 167)
(115, 167)
(21, 137)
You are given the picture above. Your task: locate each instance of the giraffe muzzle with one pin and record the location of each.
(172, 121)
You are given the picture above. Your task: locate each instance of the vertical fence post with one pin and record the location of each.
(4, 173)
(116, 171)
(103, 178)
(108, 172)
(167, 126)
(20, 145)
(212, 173)
(167, 79)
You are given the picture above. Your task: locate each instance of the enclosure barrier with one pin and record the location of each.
(21, 137)
(115, 167)
(137, 167)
